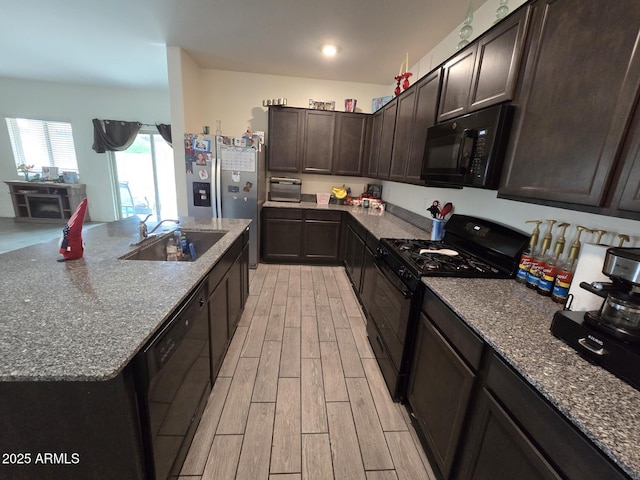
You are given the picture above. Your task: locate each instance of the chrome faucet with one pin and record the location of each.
(142, 226)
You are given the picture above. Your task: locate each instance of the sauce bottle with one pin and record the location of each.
(528, 253)
(566, 270)
(550, 268)
(538, 261)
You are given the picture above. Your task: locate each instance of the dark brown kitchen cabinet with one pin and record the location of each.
(502, 450)
(322, 236)
(417, 111)
(386, 139)
(282, 234)
(402, 134)
(218, 324)
(446, 358)
(515, 433)
(578, 87)
(354, 247)
(292, 235)
(485, 72)
(350, 136)
(318, 144)
(374, 149)
(285, 139)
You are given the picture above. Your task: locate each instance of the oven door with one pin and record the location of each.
(390, 312)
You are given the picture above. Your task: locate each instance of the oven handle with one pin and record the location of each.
(388, 274)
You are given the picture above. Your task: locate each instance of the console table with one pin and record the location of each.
(46, 202)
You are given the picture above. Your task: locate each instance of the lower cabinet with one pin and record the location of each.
(354, 246)
(478, 419)
(515, 433)
(292, 235)
(446, 358)
(228, 289)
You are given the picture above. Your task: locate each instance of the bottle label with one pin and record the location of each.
(535, 272)
(561, 287)
(523, 268)
(545, 284)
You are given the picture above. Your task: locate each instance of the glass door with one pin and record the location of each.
(145, 178)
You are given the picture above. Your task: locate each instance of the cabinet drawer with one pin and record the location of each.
(567, 448)
(463, 339)
(332, 216)
(358, 228)
(286, 213)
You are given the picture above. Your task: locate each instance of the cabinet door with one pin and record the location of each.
(236, 294)
(498, 61)
(218, 324)
(402, 135)
(353, 257)
(427, 91)
(374, 150)
(497, 448)
(349, 144)
(456, 84)
(367, 285)
(282, 235)
(322, 236)
(285, 139)
(439, 390)
(626, 194)
(386, 138)
(318, 141)
(580, 82)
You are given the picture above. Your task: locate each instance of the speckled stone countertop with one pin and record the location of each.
(85, 319)
(380, 224)
(515, 321)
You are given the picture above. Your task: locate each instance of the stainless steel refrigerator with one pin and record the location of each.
(226, 179)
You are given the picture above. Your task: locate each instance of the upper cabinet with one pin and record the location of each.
(484, 73)
(286, 126)
(574, 103)
(350, 142)
(383, 130)
(417, 110)
(316, 141)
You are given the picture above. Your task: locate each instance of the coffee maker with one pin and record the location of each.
(610, 336)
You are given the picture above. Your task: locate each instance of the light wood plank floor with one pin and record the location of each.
(300, 395)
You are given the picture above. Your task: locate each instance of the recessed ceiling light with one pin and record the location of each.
(329, 50)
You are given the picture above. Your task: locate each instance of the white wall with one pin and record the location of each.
(78, 105)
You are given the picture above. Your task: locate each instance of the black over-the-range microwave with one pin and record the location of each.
(468, 150)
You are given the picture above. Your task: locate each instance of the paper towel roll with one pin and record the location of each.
(588, 269)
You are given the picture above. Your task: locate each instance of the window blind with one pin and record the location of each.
(42, 143)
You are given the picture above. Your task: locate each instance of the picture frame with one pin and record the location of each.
(201, 146)
(322, 105)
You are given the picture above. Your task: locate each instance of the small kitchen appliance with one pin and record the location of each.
(468, 150)
(374, 190)
(610, 336)
(471, 247)
(282, 189)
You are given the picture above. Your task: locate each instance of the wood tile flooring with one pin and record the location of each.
(300, 395)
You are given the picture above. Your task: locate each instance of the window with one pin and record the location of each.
(42, 143)
(144, 177)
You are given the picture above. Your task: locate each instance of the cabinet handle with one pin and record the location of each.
(597, 351)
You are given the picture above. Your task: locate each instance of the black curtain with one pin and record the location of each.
(113, 135)
(165, 132)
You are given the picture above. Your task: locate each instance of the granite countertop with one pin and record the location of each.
(380, 224)
(85, 319)
(515, 321)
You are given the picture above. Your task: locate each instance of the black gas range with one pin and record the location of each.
(472, 247)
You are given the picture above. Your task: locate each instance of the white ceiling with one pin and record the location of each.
(122, 42)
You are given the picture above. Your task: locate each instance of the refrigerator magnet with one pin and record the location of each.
(203, 174)
(235, 177)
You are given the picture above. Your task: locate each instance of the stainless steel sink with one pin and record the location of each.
(156, 249)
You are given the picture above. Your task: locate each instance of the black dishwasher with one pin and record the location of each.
(173, 383)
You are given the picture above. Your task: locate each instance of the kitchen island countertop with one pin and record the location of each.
(85, 319)
(515, 321)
